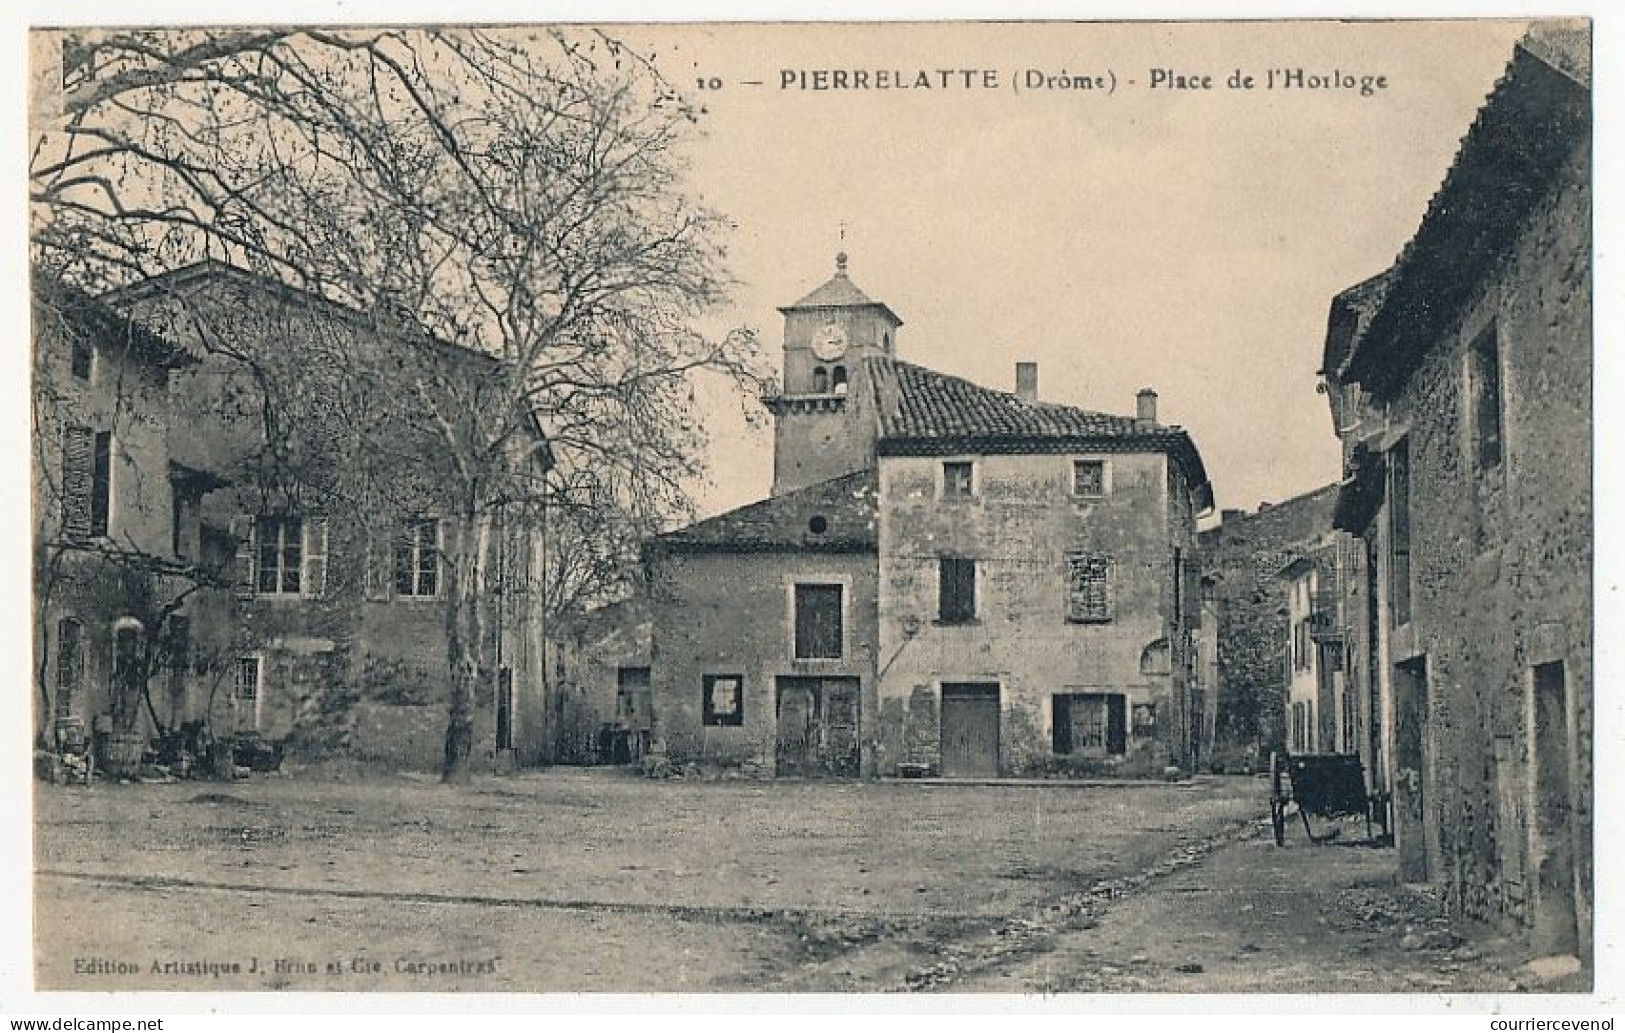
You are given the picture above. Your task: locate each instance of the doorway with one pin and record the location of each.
(1551, 844)
(817, 727)
(1410, 768)
(970, 730)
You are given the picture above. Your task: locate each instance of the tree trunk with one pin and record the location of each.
(466, 639)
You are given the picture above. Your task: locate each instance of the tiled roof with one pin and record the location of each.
(923, 412)
(916, 402)
(79, 313)
(1512, 153)
(1350, 315)
(846, 506)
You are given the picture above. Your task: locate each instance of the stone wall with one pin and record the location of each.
(723, 613)
(1018, 528)
(1242, 557)
(1502, 560)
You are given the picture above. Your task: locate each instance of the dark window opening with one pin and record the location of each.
(837, 380)
(279, 555)
(723, 702)
(956, 590)
(84, 359)
(417, 559)
(818, 630)
(820, 380)
(958, 480)
(1089, 724)
(1399, 515)
(505, 708)
(1088, 478)
(1484, 377)
(101, 484)
(818, 525)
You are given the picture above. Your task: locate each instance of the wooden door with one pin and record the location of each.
(970, 730)
(798, 727)
(840, 746)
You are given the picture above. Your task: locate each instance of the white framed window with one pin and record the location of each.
(418, 549)
(287, 557)
(247, 690)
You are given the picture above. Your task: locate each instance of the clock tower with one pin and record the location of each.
(821, 426)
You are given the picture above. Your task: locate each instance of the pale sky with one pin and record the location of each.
(1189, 241)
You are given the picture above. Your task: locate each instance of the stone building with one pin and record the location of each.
(1242, 558)
(127, 581)
(948, 578)
(1460, 385)
(339, 567)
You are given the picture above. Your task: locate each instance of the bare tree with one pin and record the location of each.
(517, 194)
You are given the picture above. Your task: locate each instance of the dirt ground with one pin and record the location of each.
(597, 880)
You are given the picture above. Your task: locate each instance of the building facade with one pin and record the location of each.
(1258, 645)
(949, 579)
(1460, 384)
(128, 586)
(337, 552)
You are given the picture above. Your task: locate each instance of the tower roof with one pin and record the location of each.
(840, 292)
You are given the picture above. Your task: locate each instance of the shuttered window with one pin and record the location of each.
(77, 446)
(956, 590)
(818, 622)
(1088, 587)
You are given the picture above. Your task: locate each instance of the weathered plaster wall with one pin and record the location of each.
(730, 613)
(1019, 528)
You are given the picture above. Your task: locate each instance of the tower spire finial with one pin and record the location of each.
(840, 256)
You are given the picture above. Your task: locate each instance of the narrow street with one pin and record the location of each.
(593, 880)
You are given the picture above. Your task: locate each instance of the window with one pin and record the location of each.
(1088, 588)
(956, 590)
(837, 380)
(1484, 384)
(818, 631)
(723, 702)
(820, 380)
(417, 560)
(1088, 478)
(1089, 724)
(246, 694)
(70, 663)
(278, 555)
(101, 484)
(83, 359)
(958, 480)
(1399, 532)
(1145, 720)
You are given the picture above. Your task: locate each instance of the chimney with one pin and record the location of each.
(1145, 407)
(1027, 381)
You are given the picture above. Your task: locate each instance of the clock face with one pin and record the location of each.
(829, 343)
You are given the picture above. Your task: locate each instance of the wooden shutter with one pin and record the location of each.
(77, 463)
(380, 574)
(956, 589)
(314, 582)
(242, 534)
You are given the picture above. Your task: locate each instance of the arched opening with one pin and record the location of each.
(820, 380)
(838, 380)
